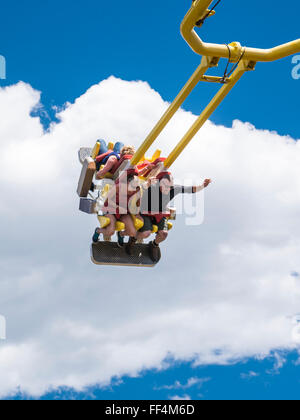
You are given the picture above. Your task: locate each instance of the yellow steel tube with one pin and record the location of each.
(273, 54)
(213, 105)
(199, 10)
(206, 63)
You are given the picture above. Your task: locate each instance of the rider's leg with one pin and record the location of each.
(161, 236)
(162, 233)
(146, 230)
(143, 235)
(110, 229)
(130, 229)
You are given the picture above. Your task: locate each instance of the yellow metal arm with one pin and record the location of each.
(173, 108)
(198, 11)
(246, 59)
(213, 105)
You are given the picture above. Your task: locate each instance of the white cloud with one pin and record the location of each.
(222, 292)
(191, 382)
(279, 362)
(178, 398)
(250, 375)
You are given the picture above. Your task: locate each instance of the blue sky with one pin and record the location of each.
(251, 379)
(247, 380)
(63, 47)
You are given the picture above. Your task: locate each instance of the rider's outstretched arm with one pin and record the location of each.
(201, 187)
(180, 189)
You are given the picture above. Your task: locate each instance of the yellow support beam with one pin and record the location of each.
(245, 57)
(199, 11)
(214, 79)
(213, 105)
(206, 63)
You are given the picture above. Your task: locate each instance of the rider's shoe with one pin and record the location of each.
(120, 240)
(96, 236)
(130, 246)
(155, 252)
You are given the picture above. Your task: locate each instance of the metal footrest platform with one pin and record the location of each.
(109, 253)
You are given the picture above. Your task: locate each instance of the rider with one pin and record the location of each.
(116, 206)
(154, 209)
(111, 158)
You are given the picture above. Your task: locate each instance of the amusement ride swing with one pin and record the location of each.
(242, 59)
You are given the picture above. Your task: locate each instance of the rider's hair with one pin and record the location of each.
(130, 178)
(166, 176)
(128, 150)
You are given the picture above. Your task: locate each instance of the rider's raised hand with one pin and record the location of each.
(207, 182)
